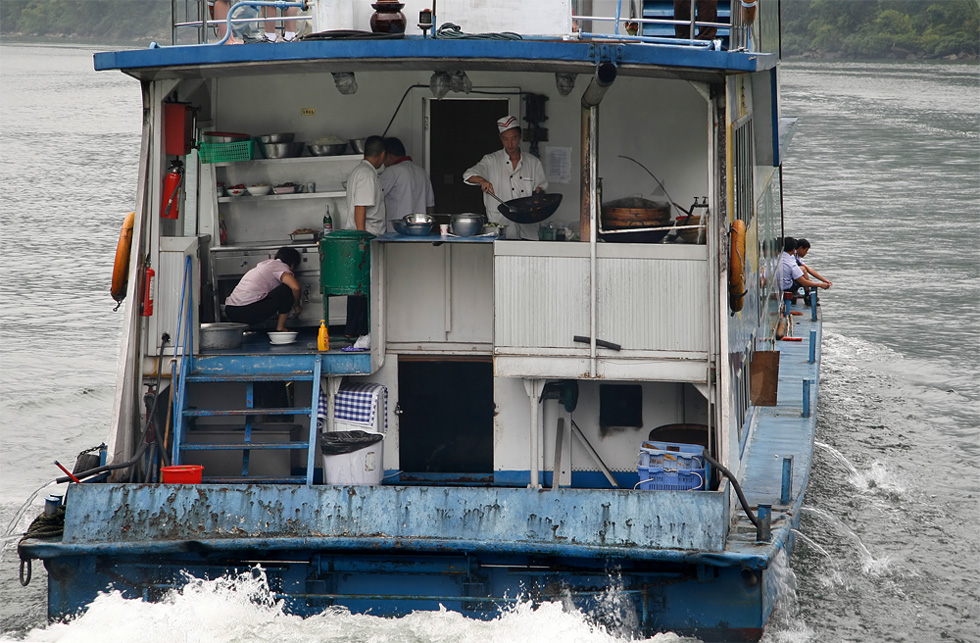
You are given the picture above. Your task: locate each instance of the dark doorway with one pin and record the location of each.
(460, 133)
(446, 419)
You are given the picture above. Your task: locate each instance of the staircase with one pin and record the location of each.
(202, 375)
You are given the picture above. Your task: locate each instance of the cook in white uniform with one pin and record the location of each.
(406, 185)
(365, 211)
(365, 198)
(510, 174)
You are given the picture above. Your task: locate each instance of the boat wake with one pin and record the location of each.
(243, 609)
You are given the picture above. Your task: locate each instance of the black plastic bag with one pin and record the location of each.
(341, 442)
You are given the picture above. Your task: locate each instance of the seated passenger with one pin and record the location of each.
(791, 275)
(268, 289)
(803, 247)
(707, 11)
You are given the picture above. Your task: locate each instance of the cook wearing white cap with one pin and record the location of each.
(508, 173)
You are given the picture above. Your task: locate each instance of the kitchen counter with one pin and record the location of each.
(390, 237)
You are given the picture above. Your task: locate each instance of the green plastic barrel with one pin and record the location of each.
(345, 263)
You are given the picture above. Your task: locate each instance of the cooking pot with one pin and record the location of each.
(221, 335)
(530, 209)
(467, 225)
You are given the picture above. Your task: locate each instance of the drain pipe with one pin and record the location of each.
(604, 76)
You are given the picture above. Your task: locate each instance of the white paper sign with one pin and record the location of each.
(558, 164)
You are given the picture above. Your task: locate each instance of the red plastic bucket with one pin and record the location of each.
(182, 473)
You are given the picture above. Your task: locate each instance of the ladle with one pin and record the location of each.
(510, 208)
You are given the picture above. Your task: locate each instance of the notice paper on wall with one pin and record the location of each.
(557, 163)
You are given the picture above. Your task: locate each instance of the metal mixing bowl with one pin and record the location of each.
(411, 229)
(281, 150)
(219, 335)
(357, 144)
(327, 150)
(419, 218)
(286, 137)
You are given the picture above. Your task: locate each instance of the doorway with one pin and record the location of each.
(445, 423)
(461, 131)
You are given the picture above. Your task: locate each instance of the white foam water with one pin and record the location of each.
(243, 610)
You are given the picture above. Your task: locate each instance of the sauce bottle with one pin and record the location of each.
(327, 223)
(323, 337)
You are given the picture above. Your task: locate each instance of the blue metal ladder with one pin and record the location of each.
(204, 370)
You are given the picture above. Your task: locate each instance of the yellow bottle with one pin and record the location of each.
(323, 338)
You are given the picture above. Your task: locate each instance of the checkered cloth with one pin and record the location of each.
(356, 402)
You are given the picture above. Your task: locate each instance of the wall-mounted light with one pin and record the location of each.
(345, 82)
(565, 83)
(460, 82)
(440, 84)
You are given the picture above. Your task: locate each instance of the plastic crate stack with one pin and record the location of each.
(671, 466)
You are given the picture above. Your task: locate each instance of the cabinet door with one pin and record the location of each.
(416, 292)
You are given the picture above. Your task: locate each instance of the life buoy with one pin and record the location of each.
(120, 269)
(736, 266)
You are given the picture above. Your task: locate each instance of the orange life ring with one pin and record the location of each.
(120, 269)
(736, 266)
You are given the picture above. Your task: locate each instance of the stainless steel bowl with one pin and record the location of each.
(327, 150)
(411, 229)
(467, 225)
(221, 335)
(281, 150)
(225, 137)
(419, 218)
(286, 137)
(357, 144)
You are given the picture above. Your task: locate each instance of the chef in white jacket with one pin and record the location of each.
(510, 174)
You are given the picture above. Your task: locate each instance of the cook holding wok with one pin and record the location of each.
(508, 173)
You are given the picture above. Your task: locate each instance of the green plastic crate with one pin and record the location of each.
(226, 152)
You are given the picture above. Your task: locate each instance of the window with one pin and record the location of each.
(620, 406)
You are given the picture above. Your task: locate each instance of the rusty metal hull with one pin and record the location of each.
(392, 550)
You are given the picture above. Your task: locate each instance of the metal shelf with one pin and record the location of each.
(297, 159)
(282, 197)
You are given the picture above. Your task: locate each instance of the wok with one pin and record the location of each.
(530, 209)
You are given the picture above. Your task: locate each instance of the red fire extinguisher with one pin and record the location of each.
(171, 190)
(149, 288)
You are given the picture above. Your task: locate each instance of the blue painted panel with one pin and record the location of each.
(389, 52)
(127, 513)
(334, 363)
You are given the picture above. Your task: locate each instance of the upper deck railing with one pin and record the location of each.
(738, 26)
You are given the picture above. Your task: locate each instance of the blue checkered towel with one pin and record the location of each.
(356, 402)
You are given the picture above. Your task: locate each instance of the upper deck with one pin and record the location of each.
(550, 35)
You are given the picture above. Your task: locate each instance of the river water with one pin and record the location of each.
(883, 178)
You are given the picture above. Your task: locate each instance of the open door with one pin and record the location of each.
(445, 421)
(461, 131)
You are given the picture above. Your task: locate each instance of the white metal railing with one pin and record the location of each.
(629, 28)
(198, 15)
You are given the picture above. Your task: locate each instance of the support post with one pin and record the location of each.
(786, 492)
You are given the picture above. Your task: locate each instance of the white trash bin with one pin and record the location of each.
(352, 457)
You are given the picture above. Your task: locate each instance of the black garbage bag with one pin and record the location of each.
(341, 442)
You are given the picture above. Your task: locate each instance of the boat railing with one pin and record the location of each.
(197, 15)
(622, 27)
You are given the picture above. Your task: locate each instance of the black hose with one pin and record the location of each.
(738, 489)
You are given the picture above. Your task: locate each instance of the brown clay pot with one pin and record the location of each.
(388, 17)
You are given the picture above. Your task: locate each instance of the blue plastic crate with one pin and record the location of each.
(672, 466)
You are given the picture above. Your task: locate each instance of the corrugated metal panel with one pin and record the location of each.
(540, 301)
(653, 305)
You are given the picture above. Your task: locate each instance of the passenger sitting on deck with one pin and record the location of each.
(265, 290)
(803, 247)
(221, 8)
(791, 276)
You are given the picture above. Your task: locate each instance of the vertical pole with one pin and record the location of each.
(806, 397)
(813, 305)
(764, 531)
(786, 491)
(813, 346)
